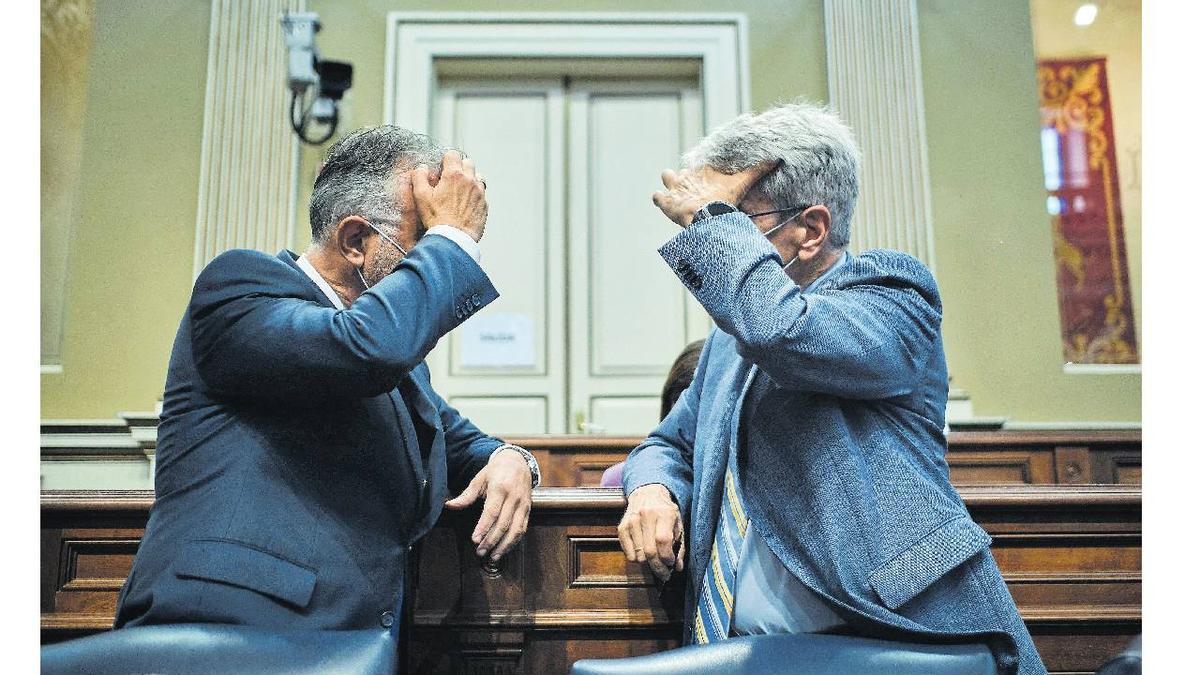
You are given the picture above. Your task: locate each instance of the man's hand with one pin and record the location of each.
(509, 488)
(651, 527)
(688, 191)
(457, 199)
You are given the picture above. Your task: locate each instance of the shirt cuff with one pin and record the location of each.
(464, 240)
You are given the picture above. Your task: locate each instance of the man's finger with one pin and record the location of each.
(626, 541)
(500, 527)
(635, 538)
(469, 495)
(669, 179)
(664, 540)
(649, 524)
(520, 522)
(421, 188)
(452, 161)
(468, 167)
(679, 554)
(753, 174)
(491, 511)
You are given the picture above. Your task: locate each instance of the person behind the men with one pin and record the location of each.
(302, 450)
(678, 378)
(806, 461)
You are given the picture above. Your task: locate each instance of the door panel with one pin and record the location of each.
(637, 316)
(514, 134)
(589, 317)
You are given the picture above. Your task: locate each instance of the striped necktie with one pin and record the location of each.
(714, 607)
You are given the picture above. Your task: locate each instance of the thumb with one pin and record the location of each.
(753, 174)
(469, 495)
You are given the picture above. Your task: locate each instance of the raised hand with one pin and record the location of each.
(457, 199)
(688, 191)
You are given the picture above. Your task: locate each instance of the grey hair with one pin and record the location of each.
(358, 175)
(819, 158)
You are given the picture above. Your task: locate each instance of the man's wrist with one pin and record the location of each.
(535, 471)
(716, 207)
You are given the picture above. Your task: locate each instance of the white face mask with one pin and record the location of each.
(775, 229)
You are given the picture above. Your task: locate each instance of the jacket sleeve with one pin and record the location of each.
(665, 457)
(866, 336)
(250, 339)
(467, 448)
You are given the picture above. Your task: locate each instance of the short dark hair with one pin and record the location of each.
(680, 376)
(357, 175)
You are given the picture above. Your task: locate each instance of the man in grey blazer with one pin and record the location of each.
(806, 462)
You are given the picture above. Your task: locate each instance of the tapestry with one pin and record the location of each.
(1079, 159)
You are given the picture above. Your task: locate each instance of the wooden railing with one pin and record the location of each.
(1071, 555)
(975, 457)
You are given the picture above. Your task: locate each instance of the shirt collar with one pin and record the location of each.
(319, 280)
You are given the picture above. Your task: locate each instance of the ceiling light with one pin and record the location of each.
(1086, 14)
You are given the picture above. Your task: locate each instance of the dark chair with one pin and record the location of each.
(1128, 662)
(802, 653)
(217, 648)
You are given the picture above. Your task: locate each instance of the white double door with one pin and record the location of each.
(589, 317)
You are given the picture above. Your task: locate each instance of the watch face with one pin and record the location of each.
(719, 208)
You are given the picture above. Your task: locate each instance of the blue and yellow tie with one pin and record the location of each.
(714, 606)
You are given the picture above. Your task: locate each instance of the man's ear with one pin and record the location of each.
(817, 222)
(349, 239)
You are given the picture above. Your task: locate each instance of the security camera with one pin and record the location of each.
(306, 69)
(300, 33)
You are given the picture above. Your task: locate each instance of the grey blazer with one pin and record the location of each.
(843, 457)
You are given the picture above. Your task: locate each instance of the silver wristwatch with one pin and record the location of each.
(534, 470)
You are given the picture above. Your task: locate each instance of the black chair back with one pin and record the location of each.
(218, 648)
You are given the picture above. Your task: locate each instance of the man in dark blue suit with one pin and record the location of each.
(302, 451)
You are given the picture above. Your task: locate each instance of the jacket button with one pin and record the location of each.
(475, 300)
(387, 619)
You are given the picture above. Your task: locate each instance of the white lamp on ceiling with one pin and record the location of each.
(1086, 14)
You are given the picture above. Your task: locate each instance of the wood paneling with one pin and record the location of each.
(975, 457)
(1071, 556)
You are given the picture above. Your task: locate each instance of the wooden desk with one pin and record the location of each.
(1070, 554)
(1068, 457)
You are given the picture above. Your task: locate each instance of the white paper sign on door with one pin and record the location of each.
(496, 341)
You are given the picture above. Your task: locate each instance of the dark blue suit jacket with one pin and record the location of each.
(301, 448)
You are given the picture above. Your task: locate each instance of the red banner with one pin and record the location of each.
(1079, 158)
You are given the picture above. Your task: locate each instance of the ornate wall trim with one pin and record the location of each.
(874, 61)
(249, 157)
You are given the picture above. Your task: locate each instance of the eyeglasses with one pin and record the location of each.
(387, 238)
(799, 208)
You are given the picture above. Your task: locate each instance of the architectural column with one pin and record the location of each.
(249, 156)
(874, 62)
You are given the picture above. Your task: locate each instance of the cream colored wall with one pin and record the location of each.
(131, 256)
(131, 250)
(995, 262)
(1117, 35)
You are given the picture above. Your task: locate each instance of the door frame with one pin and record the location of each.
(416, 39)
